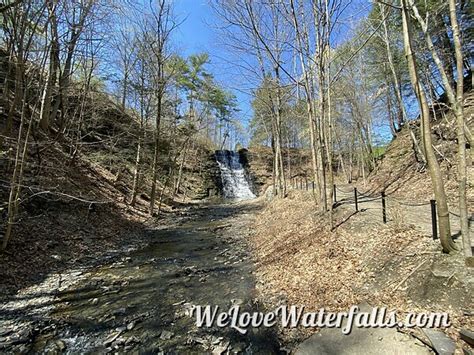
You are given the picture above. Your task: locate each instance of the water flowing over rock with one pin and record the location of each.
(235, 184)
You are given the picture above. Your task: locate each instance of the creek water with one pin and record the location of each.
(142, 301)
(235, 181)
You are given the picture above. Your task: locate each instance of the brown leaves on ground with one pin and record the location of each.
(300, 261)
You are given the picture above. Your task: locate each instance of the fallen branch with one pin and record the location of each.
(416, 336)
(408, 276)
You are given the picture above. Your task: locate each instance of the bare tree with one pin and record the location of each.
(54, 67)
(142, 90)
(396, 85)
(455, 97)
(433, 165)
(263, 34)
(161, 26)
(76, 18)
(458, 108)
(23, 37)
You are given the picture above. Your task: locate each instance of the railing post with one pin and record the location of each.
(434, 222)
(313, 185)
(301, 184)
(334, 193)
(306, 181)
(384, 208)
(355, 199)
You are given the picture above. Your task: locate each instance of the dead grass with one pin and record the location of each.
(396, 215)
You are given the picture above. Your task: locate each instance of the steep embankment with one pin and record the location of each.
(76, 185)
(400, 174)
(74, 212)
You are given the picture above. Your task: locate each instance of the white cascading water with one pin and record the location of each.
(234, 181)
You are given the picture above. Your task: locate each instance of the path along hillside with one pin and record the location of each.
(300, 260)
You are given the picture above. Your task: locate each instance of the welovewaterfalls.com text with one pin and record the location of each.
(294, 316)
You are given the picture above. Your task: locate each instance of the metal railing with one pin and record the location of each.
(358, 197)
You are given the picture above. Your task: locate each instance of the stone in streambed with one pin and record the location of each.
(60, 345)
(467, 336)
(166, 335)
(111, 338)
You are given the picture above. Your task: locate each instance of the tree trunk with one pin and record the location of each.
(65, 77)
(16, 182)
(181, 167)
(329, 153)
(19, 82)
(456, 102)
(458, 111)
(136, 173)
(391, 121)
(156, 153)
(396, 83)
(308, 98)
(53, 71)
(281, 187)
(433, 166)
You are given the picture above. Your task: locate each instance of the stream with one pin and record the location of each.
(141, 301)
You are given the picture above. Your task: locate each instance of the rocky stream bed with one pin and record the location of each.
(139, 299)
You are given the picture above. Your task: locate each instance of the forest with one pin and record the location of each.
(157, 156)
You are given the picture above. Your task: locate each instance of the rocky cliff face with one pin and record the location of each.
(259, 165)
(209, 178)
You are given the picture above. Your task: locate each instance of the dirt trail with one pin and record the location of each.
(142, 300)
(413, 213)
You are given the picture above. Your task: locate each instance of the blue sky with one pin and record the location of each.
(196, 34)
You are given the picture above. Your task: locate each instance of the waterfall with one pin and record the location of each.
(234, 181)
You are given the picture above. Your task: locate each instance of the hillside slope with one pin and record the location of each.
(400, 174)
(76, 189)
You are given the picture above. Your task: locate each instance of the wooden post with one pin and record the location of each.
(334, 193)
(434, 222)
(355, 199)
(384, 208)
(313, 185)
